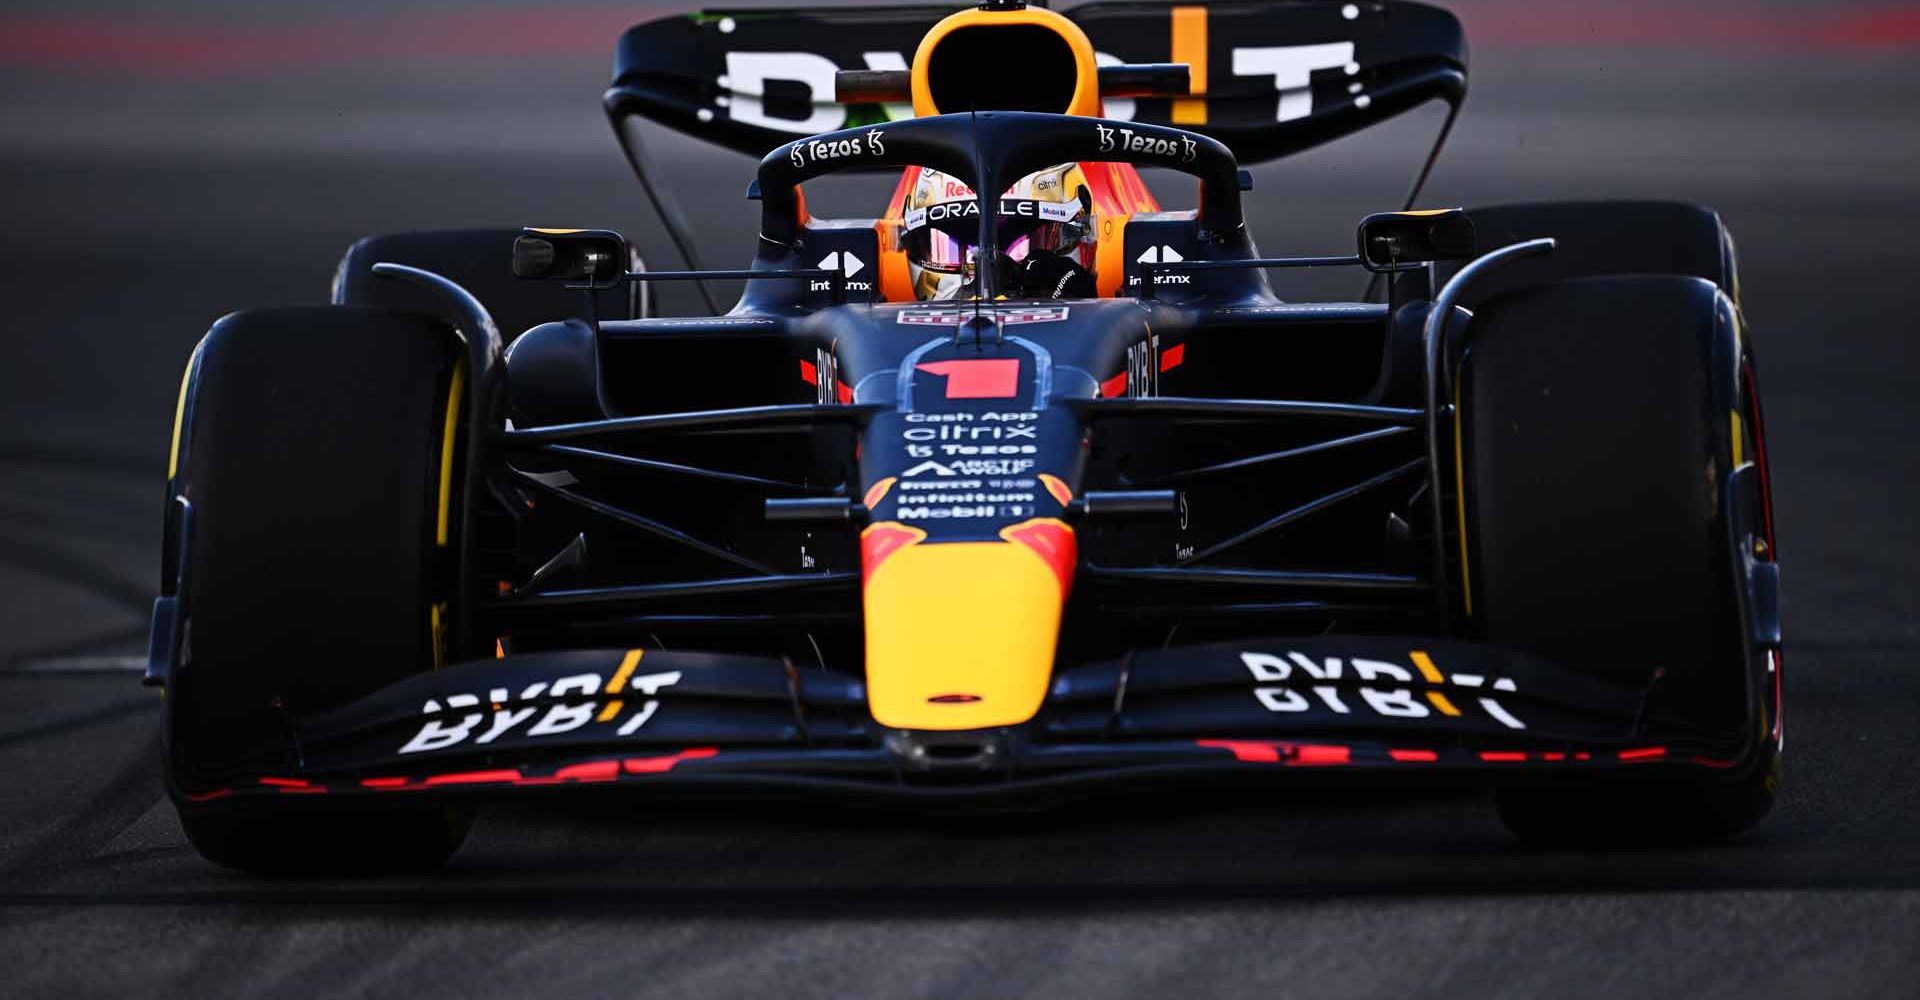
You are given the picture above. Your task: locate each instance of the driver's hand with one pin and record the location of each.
(1045, 276)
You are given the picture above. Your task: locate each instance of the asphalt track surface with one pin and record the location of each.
(146, 198)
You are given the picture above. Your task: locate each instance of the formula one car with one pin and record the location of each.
(1025, 490)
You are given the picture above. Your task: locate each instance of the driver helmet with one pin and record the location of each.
(1048, 211)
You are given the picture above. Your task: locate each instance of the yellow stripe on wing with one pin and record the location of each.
(619, 683)
(1434, 676)
(625, 673)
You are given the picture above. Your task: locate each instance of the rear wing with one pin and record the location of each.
(1269, 77)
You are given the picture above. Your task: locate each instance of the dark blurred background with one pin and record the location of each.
(160, 167)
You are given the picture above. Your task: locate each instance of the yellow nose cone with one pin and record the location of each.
(961, 635)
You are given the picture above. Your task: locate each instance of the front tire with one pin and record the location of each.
(1598, 437)
(323, 484)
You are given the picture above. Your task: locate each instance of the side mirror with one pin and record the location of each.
(595, 258)
(1390, 241)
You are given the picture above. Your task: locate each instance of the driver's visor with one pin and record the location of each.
(943, 236)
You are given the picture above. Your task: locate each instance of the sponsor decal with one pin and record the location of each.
(969, 484)
(1162, 255)
(963, 511)
(743, 87)
(969, 435)
(588, 701)
(1126, 140)
(844, 262)
(979, 378)
(932, 317)
(1025, 208)
(746, 85)
(867, 143)
(1291, 67)
(970, 467)
(948, 496)
(1007, 315)
(1296, 682)
(848, 265)
(1020, 315)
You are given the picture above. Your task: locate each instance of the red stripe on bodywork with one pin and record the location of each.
(474, 778)
(1245, 750)
(1413, 756)
(1312, 755)
(661, 765)
(599, 770)
(1172, 357)
(294, 786)
(1294, 754)
(1114, 386)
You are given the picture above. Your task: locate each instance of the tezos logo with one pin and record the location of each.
(1128, 141)
(815, 150)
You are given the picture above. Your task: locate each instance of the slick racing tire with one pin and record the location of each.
(319, 453)
(479, 260)
(1596, 452)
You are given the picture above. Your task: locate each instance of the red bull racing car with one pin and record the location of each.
(1026, 489)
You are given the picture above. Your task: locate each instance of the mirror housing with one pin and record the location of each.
(595, 258)
(1390, 241)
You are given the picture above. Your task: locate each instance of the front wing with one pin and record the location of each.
(1432, 710)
